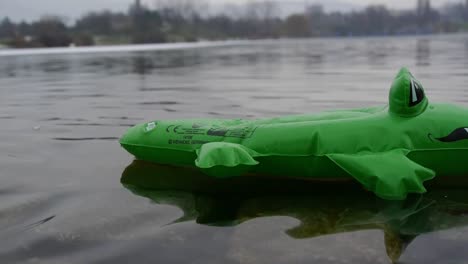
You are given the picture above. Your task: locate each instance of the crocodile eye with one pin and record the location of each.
(457, 135)
(407, 97)
(416, 93)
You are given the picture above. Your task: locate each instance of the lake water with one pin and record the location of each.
(70, 194)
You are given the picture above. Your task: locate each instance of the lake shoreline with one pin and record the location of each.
(11, 51)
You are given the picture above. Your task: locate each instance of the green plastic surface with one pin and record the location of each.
(391, 150)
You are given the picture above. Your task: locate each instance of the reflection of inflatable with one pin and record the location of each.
(322, 210)
(390, 151)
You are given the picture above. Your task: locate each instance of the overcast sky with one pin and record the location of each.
(33, 9)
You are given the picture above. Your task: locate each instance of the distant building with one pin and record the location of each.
(424, 7)
(136, 8)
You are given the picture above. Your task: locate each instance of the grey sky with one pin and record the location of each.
(33, 9)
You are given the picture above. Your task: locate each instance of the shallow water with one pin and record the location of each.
(62, 200)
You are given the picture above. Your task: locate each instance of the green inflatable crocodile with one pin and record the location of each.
(391, 150)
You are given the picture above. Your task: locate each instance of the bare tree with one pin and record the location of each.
(262, 10)
(234, 11)
(262, 15)
(187, 9)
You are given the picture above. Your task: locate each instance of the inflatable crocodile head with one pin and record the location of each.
(407, 99)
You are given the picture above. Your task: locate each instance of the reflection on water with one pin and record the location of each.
(62, 111)
(321, 209)
(423, 52)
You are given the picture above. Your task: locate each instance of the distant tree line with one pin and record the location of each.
(186, 20)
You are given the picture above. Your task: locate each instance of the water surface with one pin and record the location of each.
(70, 194)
